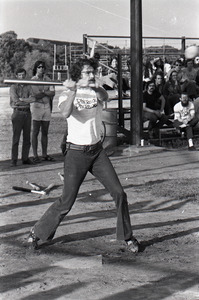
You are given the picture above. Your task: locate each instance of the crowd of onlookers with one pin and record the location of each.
(170, 96)
(165, 87)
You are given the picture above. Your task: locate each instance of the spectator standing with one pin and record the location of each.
(41, 111)
(20, 99)
(82, 105)
(185, 119)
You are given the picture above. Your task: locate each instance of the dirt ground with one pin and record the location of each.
(84, 261)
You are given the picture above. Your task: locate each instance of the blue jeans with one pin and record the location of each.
(77, 164)
(21, 121)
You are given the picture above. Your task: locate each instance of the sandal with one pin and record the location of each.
(36, 160)
(48, 158)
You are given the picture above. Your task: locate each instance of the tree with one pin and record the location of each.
(12, 53)
(32, 57)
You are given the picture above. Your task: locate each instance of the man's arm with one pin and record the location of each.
(67, 97)
(49, 91)
(101, 93)
(16, 101)
(23, 101)
(147, 109)
(191, 112)
(162, 99)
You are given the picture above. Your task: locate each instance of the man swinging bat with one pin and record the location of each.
(82, 103)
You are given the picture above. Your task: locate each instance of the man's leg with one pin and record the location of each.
(35, 133)
(17, 124)
(152, 118)
(26, 136)
(103, 170)
(164, 120)
(76, 166)
(44, 137)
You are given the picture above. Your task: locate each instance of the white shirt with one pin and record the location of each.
(84, 122)
(184, 113)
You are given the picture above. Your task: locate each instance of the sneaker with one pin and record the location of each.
(192, 148)
(13, 163)
(33, 240)
(133, 245)
(28, 162)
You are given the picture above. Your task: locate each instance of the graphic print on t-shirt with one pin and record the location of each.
(85, 100)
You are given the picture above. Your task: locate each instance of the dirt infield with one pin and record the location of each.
(84, 261)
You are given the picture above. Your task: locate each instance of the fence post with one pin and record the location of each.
(120, 100)
(183, 44)
(136, 72)
(85, 46)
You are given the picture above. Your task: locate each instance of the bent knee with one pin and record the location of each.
(119, 196)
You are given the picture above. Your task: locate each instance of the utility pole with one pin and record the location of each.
(136, 72)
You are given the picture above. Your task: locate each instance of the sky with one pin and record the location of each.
(68, 20)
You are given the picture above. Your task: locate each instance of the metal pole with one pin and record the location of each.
(54, 66)
(183, 45)
(65, 55)
(136, 72)
(120, 100)
(85, 46)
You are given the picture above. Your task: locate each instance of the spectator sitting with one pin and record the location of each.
(185, 119)
(196, 63)
(147, 70)
(158, 79)
(99, 68)
(171, 92)
(158, 65)
(189, 79)
(111, 80)
(178, 68)
(167, 67)
(153, 109)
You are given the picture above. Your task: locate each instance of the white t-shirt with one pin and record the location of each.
(184, 112)
(84, 123)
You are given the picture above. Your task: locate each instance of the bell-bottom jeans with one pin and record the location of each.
(76, 165)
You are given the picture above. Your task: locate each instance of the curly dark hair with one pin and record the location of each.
(37, 63)
(76, 69)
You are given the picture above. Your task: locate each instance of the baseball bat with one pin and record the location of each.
(47, 190)
(61, 176)
(33, 185)
(37, 82)
(22, 189)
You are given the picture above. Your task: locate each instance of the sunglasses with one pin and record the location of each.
(40, 67)
(177, 65)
